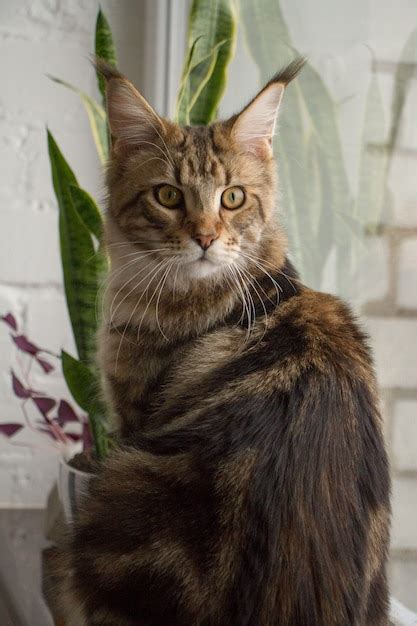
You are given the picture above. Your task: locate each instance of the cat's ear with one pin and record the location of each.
(254, 127)
(131, 118)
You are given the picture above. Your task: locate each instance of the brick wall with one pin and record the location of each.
(392, 323)
(391, 318)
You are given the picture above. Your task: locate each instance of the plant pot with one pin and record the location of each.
(72, 487)
(400, 616)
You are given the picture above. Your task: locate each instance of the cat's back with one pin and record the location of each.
(306, 409)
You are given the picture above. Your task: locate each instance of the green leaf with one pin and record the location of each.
(99, 434)
(212, 24)
(104, 47)
(402, 80)
(265, 31)
(183, 96)
(194, 81)
(309, 112)
(80, 380)
(371, 194)
(80, 263)
(88, 210)
(84, 387)
(96, 116)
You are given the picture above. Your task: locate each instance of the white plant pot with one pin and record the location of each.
(400, 616)
(72, 487)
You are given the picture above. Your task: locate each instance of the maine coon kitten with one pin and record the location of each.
(253, 489)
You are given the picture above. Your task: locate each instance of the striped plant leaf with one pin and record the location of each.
(309, 111)
(193, 83)
(104, 48)
(371, 194)
(212, 24)
(97, 118)
(80, 380)
(84, 386)
(88, 210)
(80, 264)
(402, 80)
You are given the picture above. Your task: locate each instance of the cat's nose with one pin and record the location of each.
(205, 241)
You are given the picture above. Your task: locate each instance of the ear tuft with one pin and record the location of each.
(105, 69)
(131, 118)
(288, 73)
(254, 127)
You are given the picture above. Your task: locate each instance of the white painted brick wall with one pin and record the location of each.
(393, 340)
(404, 505)
(404, 435)
(372, 284)
(403, 581)
(407, 279)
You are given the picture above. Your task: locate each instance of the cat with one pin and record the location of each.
(252, 484)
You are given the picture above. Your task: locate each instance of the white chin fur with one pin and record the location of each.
(200, 269)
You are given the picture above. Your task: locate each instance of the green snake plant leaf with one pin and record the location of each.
(83, 385)
(104, 48)
(188, 66)
(80, 380)
(265, 30)
(88, 210)
(212, 24)
(195, 79)
(371, 194)
(308, 111)
(80, 263)
(404, 74)
(96, 117)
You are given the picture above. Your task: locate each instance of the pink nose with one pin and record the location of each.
(205, 241)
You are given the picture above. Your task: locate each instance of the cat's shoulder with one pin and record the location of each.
(323, 327)
(316, 309)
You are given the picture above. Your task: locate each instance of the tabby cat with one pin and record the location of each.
(252, 485)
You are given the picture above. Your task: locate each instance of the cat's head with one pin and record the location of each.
(201, 199)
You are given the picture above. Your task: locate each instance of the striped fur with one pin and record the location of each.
(252, 486)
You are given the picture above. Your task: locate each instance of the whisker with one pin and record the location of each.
(252, 280)
(113, 313)
(273, 267)
(148, 305)
(155, 145)
(122, 337)
(250, 304)
(143, 253)
(175, 282)
(120, 244)
(102, 291)
(168, 154)
(158, 299)
(247, 311)
(230, 279)
(155, 158)
(259, 266)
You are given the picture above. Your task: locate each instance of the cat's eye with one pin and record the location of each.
(233, 198)
(168, 196)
